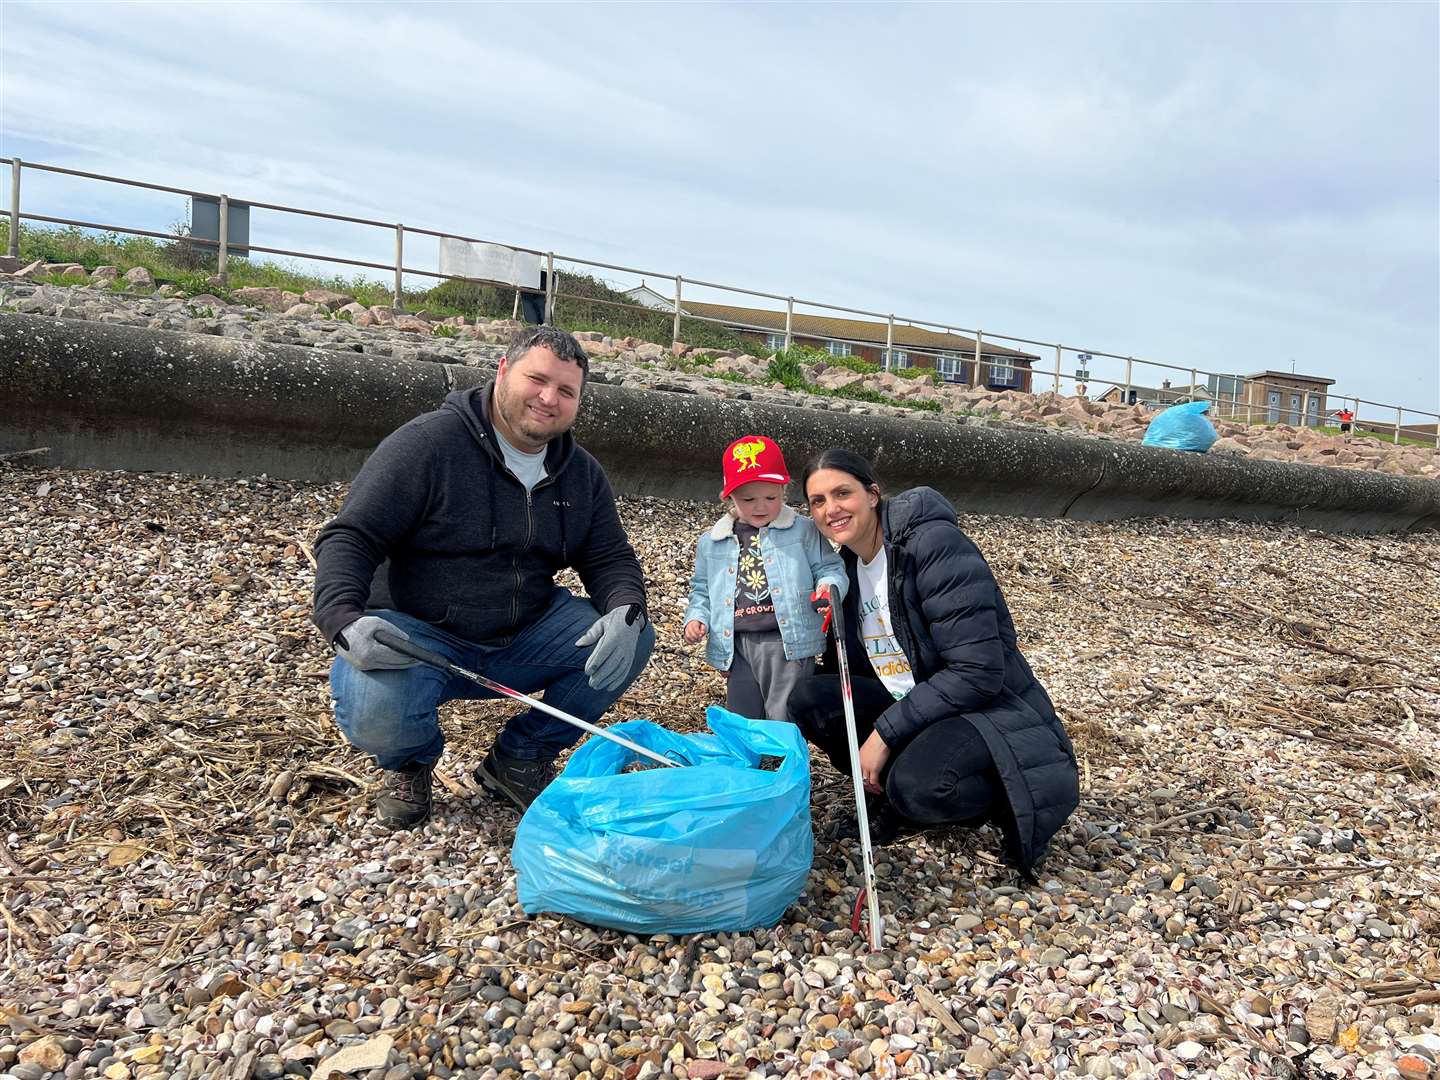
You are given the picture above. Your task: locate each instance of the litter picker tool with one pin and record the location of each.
(868, 894)
(392, 640)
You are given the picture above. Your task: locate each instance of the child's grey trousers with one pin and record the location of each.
(761, 678)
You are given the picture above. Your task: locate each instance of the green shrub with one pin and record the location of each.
(803, 354)
(472, 299)
(56, 279)
(787, 368)
(194, 284)
(930, 375)
(856, 392)
(184, 254)
(76, 245)
(587, 303)
(849, 363)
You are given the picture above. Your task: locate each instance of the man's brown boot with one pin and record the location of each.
(405, 802)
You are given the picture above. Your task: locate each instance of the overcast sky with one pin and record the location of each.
(1236, 187)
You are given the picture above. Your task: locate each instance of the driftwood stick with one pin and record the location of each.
(1393, 986)
(1303, 879)
(1424, 997)
(1189, 815)
(25, 455)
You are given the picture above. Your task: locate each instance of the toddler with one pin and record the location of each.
(759, 585)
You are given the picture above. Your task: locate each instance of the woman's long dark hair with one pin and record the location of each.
(846, 461)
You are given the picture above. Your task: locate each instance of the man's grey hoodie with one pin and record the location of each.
(435, 525)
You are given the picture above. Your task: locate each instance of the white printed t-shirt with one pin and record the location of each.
(886, 656)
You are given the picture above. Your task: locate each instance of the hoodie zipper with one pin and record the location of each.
(515, 562)
(529, 539)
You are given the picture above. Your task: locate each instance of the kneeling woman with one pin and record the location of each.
(954, 729)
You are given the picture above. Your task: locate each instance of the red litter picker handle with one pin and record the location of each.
(391, 640)
(862, 816)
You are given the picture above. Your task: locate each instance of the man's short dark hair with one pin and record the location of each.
(560, 342)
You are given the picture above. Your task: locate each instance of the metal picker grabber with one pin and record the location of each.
(394, 641)
(867, 893)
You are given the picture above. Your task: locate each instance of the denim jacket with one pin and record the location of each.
(797, 561)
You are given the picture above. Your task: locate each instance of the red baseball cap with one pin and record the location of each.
(750, 458)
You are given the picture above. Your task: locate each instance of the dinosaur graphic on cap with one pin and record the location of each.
(747, 454)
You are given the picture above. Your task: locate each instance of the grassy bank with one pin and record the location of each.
(583, 302)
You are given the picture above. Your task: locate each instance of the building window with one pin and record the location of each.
(775, 342)
(899, 358)
(1002, 375)
(951, 366)
(838, 348)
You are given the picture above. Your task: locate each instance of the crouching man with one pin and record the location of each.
(451, 536)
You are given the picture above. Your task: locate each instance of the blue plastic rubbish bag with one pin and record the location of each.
(1182, 427)
(720, 844)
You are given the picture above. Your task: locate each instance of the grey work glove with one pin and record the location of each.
(357, 644)
(615, 636)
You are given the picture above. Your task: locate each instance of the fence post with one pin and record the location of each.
(889, 341)
(1129, 371)
(14, 244)
(1399, 419)
(675, 330)
(1194, 378)
(975, 380)
(789, 319)
(549, 287)
(398, 302)
(515, 307)
(222, 262)
(1057, 370)
(1305, 409)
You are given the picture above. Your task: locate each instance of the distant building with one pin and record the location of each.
(1160, 396)
(1272, 397)
(1224, 387)
(952, 355)
(648, 297)
(1266, 397)
(1282, 397)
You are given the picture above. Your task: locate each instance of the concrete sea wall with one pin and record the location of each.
(119, 397)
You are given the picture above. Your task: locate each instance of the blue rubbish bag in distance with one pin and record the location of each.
(720, 844)
(1182, 427)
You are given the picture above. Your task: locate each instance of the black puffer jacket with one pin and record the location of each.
(951, 620)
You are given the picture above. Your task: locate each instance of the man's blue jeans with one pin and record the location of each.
(391, 714)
